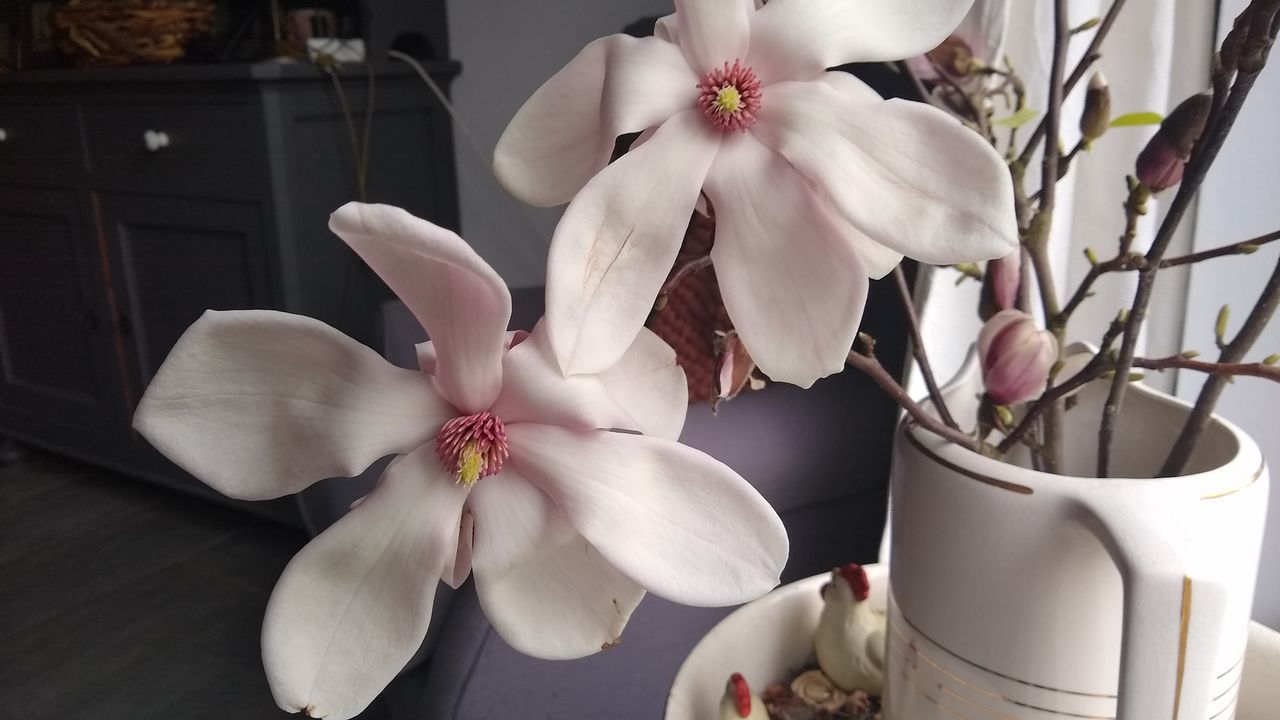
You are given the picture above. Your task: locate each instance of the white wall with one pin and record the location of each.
(508, 48)
(1238, 201)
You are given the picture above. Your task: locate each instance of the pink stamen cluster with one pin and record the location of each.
(485, 435)
(739, 77)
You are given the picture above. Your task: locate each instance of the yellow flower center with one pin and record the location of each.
(471, 464)
(728, 101)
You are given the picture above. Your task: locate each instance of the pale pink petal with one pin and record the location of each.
(649, 385)
(564, 601)
(259, 404)
(910, 176)
(791, 281)
(673, 519)
(713, 32)
(457, 570)
(534, 390)
(992, 327)
(618, 240)
(798, 39)
(513, 517)
(459, 300)
(426, 351)
(354, 605)
(564, 134)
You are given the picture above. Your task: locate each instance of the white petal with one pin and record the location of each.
(678, 522)
(713, 32)
(459, 300)
(260, 404)
(354, 605)
(910, 176)
(534, 390)
(797, 39)
(426, 351)
(513, 518)
(618, 240)
(791, 281)
(564, 134)
(649, 385)
(563, 602)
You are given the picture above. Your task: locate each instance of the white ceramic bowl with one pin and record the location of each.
(766, 639)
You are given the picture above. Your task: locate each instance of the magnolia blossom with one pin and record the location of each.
(1016, 357)
(816, 182)
(505, 468)
(1004, 277)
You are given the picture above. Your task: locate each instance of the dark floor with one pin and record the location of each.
(123, 600)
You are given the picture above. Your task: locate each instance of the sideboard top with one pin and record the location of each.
(265, 72)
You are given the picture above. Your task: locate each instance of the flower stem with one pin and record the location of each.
(1245, 53)
(868, 364)
(1227, 366)
(917, 348)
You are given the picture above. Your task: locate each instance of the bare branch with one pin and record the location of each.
(918, 349)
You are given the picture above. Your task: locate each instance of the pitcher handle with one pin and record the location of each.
(1171, 619)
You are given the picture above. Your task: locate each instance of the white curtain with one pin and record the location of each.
(1157, 53)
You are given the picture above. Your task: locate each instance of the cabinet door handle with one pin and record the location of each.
(89, 321)
(155, 140)
(4, 135)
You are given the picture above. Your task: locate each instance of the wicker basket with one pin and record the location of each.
(131, 32)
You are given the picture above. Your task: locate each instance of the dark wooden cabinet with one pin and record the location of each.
(132, 200)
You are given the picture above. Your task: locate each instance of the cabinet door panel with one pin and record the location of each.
(178, 258)
(55, 344)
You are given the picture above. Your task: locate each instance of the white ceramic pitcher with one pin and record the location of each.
(1020, 595)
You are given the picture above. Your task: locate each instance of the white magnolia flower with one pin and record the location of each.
(817, 183)
(503, 469)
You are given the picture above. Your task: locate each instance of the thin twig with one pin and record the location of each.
(1241, 248)
(867, 363)
(699, 263)
(1225, 369)
(1249, 333)
(1135, 206)
(1064, 166)
(1090, 56)
(1037, 241)
(1258, 44)
(917, 348)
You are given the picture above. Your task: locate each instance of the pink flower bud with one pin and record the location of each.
(1161, 162)
(1006, 275)
(1016, 357)
(1159, 166)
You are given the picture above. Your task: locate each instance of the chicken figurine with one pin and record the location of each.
(739, 703)
(850, 641)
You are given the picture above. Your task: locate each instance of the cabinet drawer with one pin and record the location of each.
(188, 148)
(35, 134)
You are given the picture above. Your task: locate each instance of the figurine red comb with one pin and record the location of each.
(856, 576)
(741, 694)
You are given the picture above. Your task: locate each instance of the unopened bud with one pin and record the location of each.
(1016, 356)
(1005, 416)
(1000, 284)
(1091, 256)
(1220, 325)
(1190, 354)
(953, 57)
(734, 367)
(1271, 359)
(1161, 162)
(1089, 24)
(1247, 249)
(1097, 109)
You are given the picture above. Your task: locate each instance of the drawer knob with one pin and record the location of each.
(155, 141)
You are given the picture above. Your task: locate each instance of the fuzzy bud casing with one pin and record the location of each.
(1161, 162)
(1096, 117)
(1016, 357)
